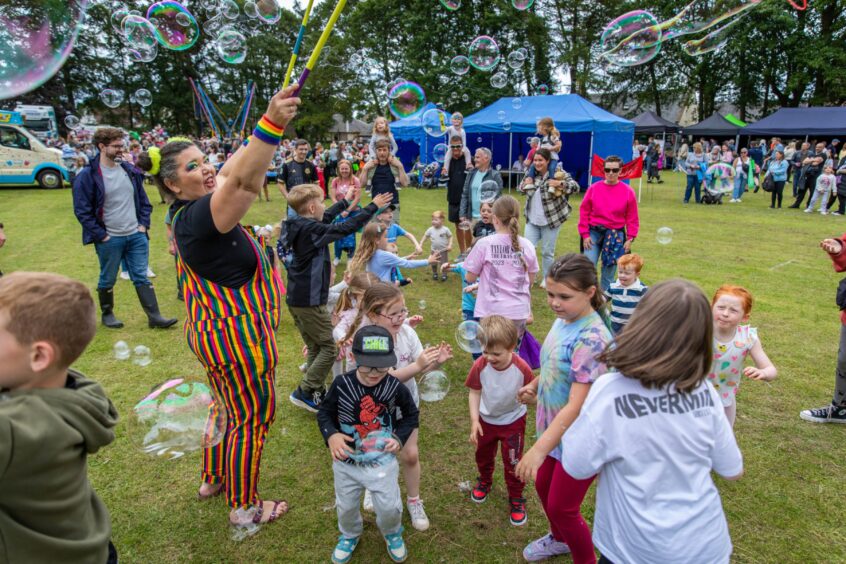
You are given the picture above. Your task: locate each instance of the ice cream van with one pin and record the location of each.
(24, 160)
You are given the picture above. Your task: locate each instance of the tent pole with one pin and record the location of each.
(508, 161)
(590, 160)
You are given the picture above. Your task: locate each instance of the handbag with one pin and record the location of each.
(769, 183)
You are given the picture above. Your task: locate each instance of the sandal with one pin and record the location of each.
(205, 497)
(275, 513)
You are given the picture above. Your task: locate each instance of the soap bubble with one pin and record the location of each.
(464, 225)
(477, 104)
(111, 98)
(500, 115)
(465, 97)
(451, 5)
(543, 90)
(439, 152)
(631, 39)
(143, 97)
(372, 449)
(422, 304)
(435, 122)
(478, 139)
(250, 9)
(407, 99)
(516, 59)
(489, 190)
(121, 350)
(231, 46)
(524, 52)
(229, 9)
(268, 11)
(483, 53)
(391, 88)
(499, 80)
(72, 122)
(522, 4)
(516, 103)
(459, 65)
(175, 26)
(35, 40)
(141, 356)
(180, 416)
(506, 126)
(664, 235)
(142, 54)
(470, 337)
(434, 386)
(116, 18)
(139, 32)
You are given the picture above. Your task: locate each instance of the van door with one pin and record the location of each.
(16, 157)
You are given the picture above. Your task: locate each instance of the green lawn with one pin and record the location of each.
(789, 506)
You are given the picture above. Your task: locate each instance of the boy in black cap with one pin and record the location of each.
(362, 404)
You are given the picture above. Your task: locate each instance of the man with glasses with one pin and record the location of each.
(457, 172)
(111, 205)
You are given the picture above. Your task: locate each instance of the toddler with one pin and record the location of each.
(550, 140)
(626, 292)
(381, 130)
(457, 130)
(826, 185)
(441, 239)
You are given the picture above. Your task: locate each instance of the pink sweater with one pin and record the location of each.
(610, 206)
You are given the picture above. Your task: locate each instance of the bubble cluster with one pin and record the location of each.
(459, 65)
(483, 53)
(35, 40)
(434, 386)
(231, 46)
(406, 99)
(176, 28)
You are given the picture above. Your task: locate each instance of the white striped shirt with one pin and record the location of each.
(624, 300)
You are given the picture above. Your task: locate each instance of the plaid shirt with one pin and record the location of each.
(556, 209)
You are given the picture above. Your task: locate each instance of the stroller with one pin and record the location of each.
(718, 181)
(431, 176)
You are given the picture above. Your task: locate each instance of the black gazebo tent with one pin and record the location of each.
(716, 126)
(801, 122)
(650, 122)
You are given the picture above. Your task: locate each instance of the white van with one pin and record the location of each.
(24, 160)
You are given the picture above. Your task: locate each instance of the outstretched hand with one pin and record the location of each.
(283, 106)
(383, 199)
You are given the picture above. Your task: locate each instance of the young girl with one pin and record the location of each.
(381, 130)
(343, 315)
(733, 342)
(484, 226)
(550, 139)
(372, 254)
(457, 130)
(342, 185)
(505, 265)
(568, 368)
(653, 430)
(384, 305)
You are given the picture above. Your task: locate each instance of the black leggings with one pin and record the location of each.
(777, 193)
(603, 560)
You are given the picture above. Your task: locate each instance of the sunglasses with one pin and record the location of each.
(612, 170)
(455, 146)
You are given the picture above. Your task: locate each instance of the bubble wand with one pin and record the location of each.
(320, 43)
(297, 45)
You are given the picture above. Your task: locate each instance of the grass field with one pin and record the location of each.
(789, 506)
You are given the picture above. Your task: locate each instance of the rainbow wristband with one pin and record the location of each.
(268, 131)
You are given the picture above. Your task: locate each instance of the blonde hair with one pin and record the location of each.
(507, 211)
(358, 285)
(349, 164)
(499, 331)
(367, 247)
(42, 306)
(387, 126)
(375, 298)
(301, 195)
(632, 260)
(438, 213)
(550, 126)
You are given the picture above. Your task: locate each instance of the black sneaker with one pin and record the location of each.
(444, 278)
(828, 414)
(435, 276)
(308, 401)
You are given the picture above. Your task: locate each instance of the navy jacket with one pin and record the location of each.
(89, 194)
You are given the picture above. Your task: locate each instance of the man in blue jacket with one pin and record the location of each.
(110, 202)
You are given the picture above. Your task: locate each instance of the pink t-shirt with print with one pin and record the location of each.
(503, 282)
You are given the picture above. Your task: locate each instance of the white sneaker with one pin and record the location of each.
(336, 262)
(823, 212)
(836, 213)
(150, 273)
(419, 520)
(124, 275)
(733, 201)
(808, 210)
(542, 283)
(367, 504)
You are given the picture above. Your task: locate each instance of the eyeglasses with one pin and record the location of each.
(396, 318)
(373, 370)
(612, 170)
(121, 146)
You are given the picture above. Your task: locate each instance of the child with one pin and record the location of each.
(373, 255)
(381, 130)
(345, 185)
(395, 231)
(732, 343)
(568, 369)
(364, 401)
(653, 430)
(308, 235)
(505, 265)
(826, 185)
(496, 416)
(441, 239)
(626, 292)
(384, 305)
(551, 140)
(457, 130)
(51, 419)
(484, 227)
(343, 315)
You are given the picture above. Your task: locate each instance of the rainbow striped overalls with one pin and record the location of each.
(232, 332)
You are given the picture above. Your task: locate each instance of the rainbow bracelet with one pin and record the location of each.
(268, 131)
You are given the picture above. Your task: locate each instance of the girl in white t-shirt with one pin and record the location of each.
(505, 265)
(383, 304)
(653, 430)
(343, 316)
(381, 130)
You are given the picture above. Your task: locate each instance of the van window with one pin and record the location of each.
(13, 139)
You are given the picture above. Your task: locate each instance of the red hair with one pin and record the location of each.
(738, 292)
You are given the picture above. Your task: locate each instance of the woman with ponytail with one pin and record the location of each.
(233, 299)
(505, 265)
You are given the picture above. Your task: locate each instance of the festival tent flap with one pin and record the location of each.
(650, 122)
(736, 120)
(801, 122)
(716, 126)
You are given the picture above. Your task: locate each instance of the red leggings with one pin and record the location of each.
(561, 496)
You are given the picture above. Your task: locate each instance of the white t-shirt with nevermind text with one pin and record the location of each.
(654, 450)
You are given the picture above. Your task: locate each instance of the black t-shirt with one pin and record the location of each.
(383, 182)
(455, 184)
(227, 259)
(482, 229)
(294, 173)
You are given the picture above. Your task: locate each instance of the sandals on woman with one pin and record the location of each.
(214, 493)
(275, 513)
(247, 528)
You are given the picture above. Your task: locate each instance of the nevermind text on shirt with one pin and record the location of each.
(633, 406)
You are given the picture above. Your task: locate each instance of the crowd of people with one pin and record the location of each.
(636, 384)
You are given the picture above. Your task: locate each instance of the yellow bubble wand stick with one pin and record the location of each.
(297, 45)
(327, 31)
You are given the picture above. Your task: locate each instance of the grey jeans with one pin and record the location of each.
(840, 374)
(383, 483)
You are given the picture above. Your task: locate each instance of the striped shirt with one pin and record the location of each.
(624, 300)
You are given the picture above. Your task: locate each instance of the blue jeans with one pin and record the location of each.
(547, 237)
(134, 248)
(739, 186)
(608, 272)
(692, 185)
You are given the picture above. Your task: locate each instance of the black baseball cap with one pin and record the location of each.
(373, 347)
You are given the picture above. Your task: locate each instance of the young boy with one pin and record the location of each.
(495, 414)
(361, 404)
(51, 418)
(441, 239)
(626, 292)
(308, 235)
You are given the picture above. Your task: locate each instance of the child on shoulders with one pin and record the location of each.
(381, 130)
(457, 130)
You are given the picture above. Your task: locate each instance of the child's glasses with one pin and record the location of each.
(373, 370)
(396, 318)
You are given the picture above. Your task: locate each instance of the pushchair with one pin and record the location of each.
(718, 181)
(431, 176)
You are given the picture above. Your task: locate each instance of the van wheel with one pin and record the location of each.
(49, 179)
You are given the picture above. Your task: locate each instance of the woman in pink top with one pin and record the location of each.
(608, 220)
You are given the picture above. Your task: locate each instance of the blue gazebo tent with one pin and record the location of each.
(801, 122)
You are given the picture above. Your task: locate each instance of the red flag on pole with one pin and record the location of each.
(633, 169)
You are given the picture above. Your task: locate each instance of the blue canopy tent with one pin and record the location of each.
(585, 129)
(412, 140)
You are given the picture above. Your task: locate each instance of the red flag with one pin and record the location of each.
(633, 169)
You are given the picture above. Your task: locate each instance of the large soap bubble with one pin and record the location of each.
(631, 39)
(434, 386)
(178, 417)
(488, 191)
(407, 99)
(451, 5)
(268, 11)
(470, 337)
(231, 46)
(35, 40)
(435, 122)
(483, 53)
(175, 26)
(459, 65)
(522, 5)
(439, 152)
